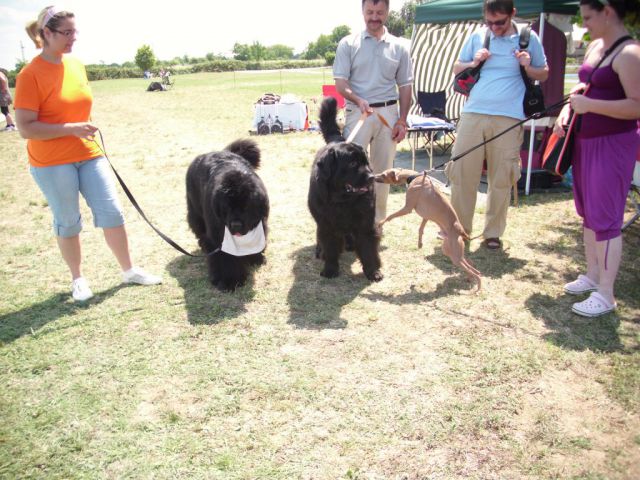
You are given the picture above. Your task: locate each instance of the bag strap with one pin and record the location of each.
(487, 39)
(608, 52)
(525, 35)
(485, 44)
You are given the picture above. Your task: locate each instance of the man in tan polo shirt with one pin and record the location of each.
(373, 71)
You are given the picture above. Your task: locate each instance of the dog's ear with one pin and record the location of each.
(327, 164)
(260, 204)
(218, 206)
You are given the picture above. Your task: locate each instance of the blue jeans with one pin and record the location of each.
(61, 186)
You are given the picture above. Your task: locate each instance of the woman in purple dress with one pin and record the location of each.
(606, 145)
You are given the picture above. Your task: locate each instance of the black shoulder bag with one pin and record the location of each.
(533, 101)
(467, 78)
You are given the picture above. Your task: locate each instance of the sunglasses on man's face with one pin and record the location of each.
(497, 23)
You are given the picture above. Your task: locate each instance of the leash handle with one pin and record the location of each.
(361, 121)
(139, 209)
(357, 128)
(383, 121)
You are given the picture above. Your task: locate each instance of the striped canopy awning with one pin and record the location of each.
(434, 50)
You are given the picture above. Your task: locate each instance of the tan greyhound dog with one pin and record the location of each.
(431, 204)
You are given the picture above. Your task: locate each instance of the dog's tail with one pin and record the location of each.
(328, 125)
(247, 149)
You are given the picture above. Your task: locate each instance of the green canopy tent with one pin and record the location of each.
(442, 27)
(444, 11)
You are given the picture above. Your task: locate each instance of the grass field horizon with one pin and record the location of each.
(295, 376)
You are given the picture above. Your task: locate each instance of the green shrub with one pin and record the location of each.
(109, 72)
(11, 77)
(101, 72)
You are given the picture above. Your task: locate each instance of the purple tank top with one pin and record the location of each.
(605, 85)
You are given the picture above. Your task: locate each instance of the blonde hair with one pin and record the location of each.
(48, 17)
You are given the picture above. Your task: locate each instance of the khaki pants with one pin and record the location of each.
(376, 138)
(503, 169)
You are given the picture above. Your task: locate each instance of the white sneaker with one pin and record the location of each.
(9, 128)
(582, 284)
(80, 290)
(139, 276)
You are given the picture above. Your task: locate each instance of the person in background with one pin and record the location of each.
(372, 70)
(494, 105)
(605, 149)
(53, 106)
(5, 101)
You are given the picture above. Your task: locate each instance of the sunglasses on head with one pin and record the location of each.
(497, 23)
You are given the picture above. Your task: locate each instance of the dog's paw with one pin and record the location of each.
(226, 284)
(330, 271)
(375, 276)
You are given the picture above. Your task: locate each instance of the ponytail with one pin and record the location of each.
(48, 17)
(35, 33)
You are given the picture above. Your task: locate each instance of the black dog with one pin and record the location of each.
(224, 190)
(342, 200)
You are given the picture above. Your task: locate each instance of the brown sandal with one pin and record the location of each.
(492, 243)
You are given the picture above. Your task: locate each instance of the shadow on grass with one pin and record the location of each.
(457, 284)
(491, 264)
(627, 285)
(315, 302)
(31, 319)
(572, 332)
(568, 234)
(205, 304)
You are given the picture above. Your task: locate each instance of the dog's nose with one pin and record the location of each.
(235, 226)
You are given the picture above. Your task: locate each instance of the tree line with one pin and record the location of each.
(399, 23)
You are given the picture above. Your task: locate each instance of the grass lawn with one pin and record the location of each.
(295, 376)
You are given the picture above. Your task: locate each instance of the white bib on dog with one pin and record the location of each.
(252, 242)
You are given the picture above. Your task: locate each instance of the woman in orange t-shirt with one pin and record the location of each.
(53, 106)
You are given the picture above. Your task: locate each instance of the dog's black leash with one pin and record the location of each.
(137, 207)
(535, 116)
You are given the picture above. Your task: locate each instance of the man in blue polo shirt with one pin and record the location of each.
(373, 71)
(494, 104)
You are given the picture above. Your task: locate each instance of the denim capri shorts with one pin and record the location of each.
(61, 186)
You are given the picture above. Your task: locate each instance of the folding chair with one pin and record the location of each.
(433, 104)
(432, 126)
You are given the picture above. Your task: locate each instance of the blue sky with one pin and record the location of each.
(112, 31)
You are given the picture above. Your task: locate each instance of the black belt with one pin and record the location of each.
(383, 104)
